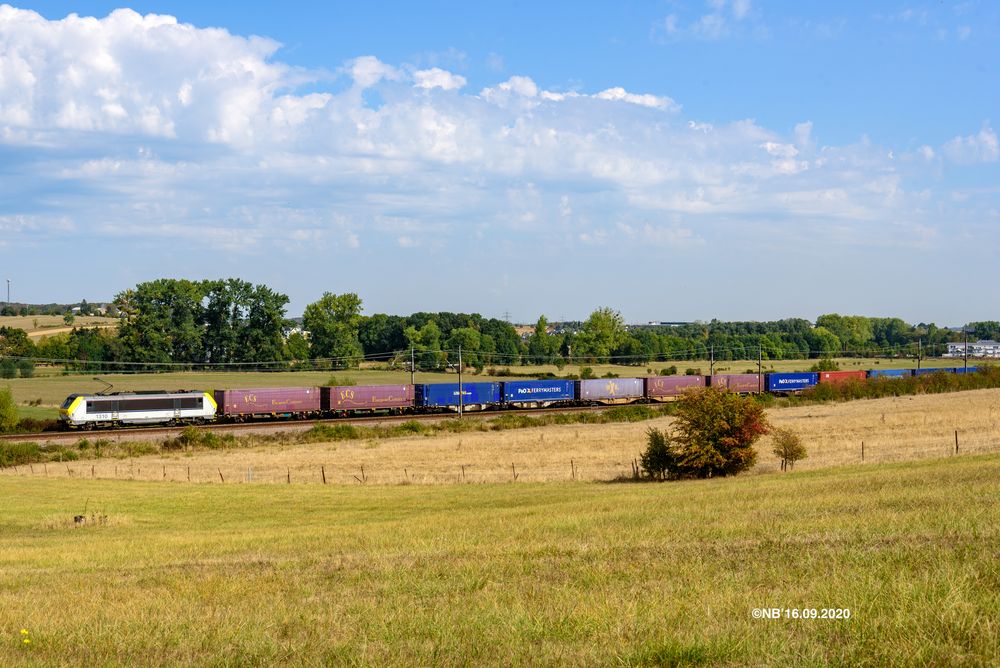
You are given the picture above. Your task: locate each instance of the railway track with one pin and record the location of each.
(275, 426)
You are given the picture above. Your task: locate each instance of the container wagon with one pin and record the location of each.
(841, 377)
(474, 397)
(668, 388)
(741, 383)
(924, 372)
(538, 393)
(611, 390)
(269, 402)
(341, 400)
(890, 373)
(783, 383)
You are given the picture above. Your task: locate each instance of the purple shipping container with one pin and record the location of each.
(741, 383)
(612, 390)
(366, 397)
(663, 388)
(268, 401)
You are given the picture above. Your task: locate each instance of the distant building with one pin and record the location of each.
(977, 349)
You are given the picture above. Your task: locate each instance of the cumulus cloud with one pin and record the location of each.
(157, 128)
(437, 78)
(980, 147)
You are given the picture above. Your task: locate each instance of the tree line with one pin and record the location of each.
(233, 323)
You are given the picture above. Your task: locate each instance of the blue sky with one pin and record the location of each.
(732, 159)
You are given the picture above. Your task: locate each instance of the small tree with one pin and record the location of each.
(26, 368)
(788, 446)
(8, 411)
(715, 433)
(8, 368)
(658, 461)
(825, 364)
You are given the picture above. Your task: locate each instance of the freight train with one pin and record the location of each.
(89, 411)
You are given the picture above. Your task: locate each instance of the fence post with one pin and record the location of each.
(956, 441)
(322, 470)
(862, 451)
(289, 475)
(220, 476)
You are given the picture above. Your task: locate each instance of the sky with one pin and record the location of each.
(730, 159)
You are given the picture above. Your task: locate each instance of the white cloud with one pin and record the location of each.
(369, 70)
(156, 129)
(437, 78)
(980, 147)
(654, 101)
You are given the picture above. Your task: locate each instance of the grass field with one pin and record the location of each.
(569, 573)
(38, 326)
(51, 387)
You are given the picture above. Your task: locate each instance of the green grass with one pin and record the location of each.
(597, 574)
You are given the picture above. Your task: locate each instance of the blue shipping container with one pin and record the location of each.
(446, 394)
(529, 391)
(924, 372)
(790, 382)
(890, 373)
(962, 369)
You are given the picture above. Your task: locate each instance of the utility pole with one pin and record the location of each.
(966, 333)
(711, 363)
(8, 293)
(461, 394)
(412, 365)
(918, 354)
(760, 375)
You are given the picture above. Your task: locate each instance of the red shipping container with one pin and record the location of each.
(837, 377)
(268, 401)
(660, 388)
(741, 383)
(366, 397)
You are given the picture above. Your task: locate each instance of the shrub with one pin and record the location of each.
(692, 372)
(346, 381)
(15, 454)
(825, 364)
(669, 371)
(26, 368)
(587, 373)
(788, 446)
(658, 461)
(715, 432)
(8, 368)
(8, 411)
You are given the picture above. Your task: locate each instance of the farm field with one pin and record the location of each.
(38, 326)
(51, 387)
(507, 574)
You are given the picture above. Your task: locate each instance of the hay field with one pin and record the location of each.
(893, 429)
(507, 574)
(38, 326)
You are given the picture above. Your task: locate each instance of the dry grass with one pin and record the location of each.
(43, 325)
(893, 429)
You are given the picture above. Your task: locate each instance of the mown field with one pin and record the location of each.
(38, 326)
(507, 574)
(50, 387)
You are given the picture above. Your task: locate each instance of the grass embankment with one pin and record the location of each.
(628, 574)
